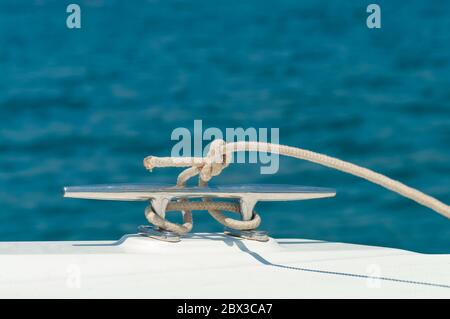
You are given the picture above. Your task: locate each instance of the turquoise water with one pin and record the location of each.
(85, 106)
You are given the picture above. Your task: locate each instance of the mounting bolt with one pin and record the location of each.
(258, 235)
(157, 233)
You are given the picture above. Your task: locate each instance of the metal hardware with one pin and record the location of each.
(247, 205)
(154, 232)
(249, 193)
(159, 204)
(257, 235)
(160, 196)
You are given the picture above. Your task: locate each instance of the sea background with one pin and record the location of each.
(86, 106)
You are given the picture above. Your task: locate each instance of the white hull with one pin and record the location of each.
(218, 266)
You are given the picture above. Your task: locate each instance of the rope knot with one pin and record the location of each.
(215, 161)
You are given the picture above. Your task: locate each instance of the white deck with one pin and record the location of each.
(216, 266)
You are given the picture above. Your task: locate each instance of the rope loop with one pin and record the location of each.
(215, 161)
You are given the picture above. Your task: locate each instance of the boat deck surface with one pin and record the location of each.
(213, 265)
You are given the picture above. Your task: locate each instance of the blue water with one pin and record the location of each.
(85, 106)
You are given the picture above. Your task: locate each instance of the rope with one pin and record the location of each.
(219, 157)
(214, 209)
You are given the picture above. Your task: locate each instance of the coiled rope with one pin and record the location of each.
(219, 157)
